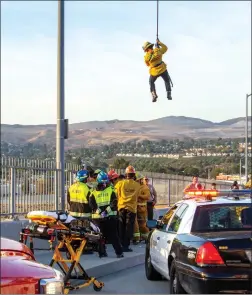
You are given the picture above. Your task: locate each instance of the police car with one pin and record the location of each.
(158, 213)
(203, 244)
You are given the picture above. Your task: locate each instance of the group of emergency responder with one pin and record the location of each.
(117, 204)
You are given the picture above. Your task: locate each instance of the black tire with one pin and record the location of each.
(150, 272)
(175, 286)
(97, 289)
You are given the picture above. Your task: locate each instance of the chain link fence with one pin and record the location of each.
(28, 185)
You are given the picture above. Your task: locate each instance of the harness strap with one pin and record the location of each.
(158, 64)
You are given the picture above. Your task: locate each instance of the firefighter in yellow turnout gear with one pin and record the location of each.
(140, 229)
(157, 68)
(103, 202)
(248, 184)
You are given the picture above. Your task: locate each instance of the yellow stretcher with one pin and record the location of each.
(69, 235)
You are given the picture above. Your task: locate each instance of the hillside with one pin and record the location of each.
(105, 132)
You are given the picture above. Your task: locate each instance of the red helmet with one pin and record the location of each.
(130, 170)
(112, 175)
(111, 172)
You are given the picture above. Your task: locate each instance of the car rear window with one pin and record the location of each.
(227, 217)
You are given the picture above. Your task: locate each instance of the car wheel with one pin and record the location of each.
(150, 272)
(175, 286)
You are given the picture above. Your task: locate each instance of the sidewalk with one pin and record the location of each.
(99, 267)
(94, 265)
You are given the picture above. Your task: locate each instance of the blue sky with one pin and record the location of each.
(209, 60)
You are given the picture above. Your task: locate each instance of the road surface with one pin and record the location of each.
(130, 281)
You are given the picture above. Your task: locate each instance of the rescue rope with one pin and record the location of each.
(157, 36)
(157, 20)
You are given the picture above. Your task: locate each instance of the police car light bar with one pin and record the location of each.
(218, 193)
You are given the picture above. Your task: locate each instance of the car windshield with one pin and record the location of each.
(226, 217)
(159, 212)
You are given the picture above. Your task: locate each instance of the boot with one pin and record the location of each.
(103, 254)
(169, 95)
(154, 96)
(120, 255)
(102, 249)
(127, 249)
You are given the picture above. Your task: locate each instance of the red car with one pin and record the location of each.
(22, 274)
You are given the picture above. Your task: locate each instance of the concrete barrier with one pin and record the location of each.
(11, 229)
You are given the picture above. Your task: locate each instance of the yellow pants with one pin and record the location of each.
(141, 231)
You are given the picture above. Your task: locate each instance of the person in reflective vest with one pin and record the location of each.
(103, 202)
(78, 196)
(141, 231)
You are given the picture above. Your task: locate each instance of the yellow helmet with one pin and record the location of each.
(139, 176)
(147, 45)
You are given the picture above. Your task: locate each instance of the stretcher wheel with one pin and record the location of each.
(97, 289)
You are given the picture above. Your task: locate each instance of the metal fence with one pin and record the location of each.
(170, 187)
(28, 185)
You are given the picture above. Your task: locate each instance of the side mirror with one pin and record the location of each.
(151, 223)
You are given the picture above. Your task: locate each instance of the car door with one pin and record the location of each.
(172, 229)
(166, 240)
(158, 235)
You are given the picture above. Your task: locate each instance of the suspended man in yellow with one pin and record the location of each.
(157, 68)
(141, 231)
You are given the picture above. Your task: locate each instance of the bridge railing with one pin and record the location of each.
(27, 185)
(170, 187)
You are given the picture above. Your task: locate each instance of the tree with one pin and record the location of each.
(215, 172)
(190, 171)
(120, 163)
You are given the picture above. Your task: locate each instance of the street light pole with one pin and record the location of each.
(246, 139)
(60, 160)
(240, 171)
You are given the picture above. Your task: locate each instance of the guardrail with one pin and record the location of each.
(27, 185)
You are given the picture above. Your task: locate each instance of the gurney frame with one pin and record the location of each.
(73, 242)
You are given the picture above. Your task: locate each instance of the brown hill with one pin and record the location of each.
(106, 132)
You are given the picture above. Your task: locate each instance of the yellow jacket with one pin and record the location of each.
(144, 194)
(248, 184)
(127, 193)
(116, 186)
(153, 60)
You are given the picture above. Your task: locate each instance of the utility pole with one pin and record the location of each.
(246, 138)
(60, 135)
(240, 171)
